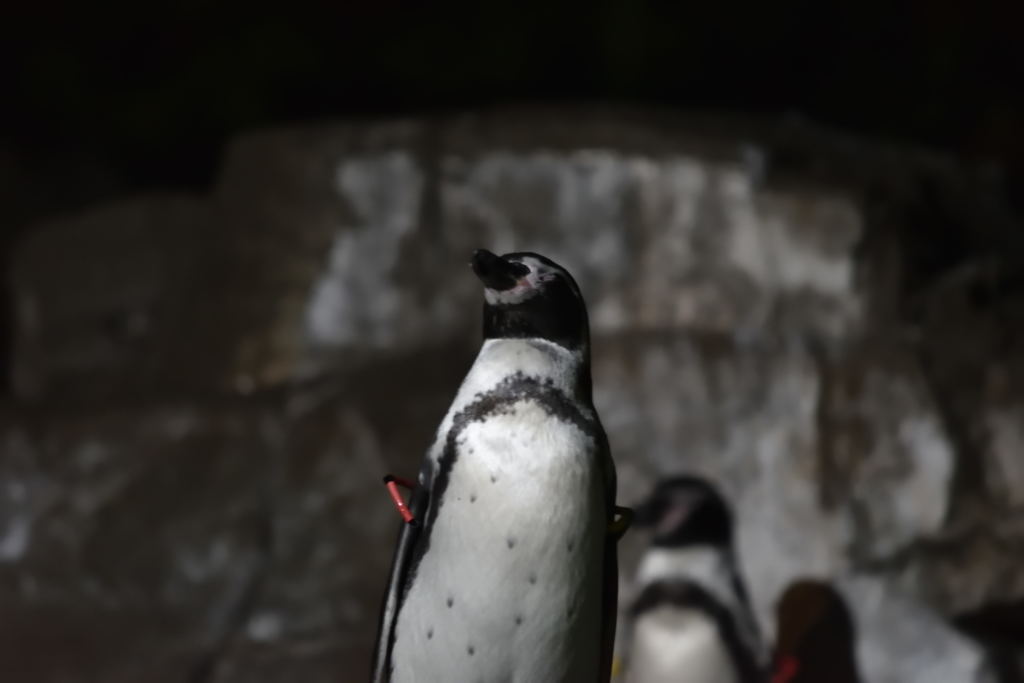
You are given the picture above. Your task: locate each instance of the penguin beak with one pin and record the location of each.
(663, 516)
(495, 272)
(644, 515)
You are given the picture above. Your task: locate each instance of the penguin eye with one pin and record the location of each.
(519, 269)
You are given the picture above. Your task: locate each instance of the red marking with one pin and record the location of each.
(786, 669)
(393, 483)
(404, 483)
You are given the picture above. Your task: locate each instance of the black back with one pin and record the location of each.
(816, 630)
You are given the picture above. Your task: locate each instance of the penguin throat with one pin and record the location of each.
(531, 319)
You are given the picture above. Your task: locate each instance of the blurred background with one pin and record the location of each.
(235, 294)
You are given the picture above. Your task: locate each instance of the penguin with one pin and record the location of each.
(507, 568)
(690, 619)
(815, 636)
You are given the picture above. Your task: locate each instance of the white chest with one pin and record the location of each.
(673, 645)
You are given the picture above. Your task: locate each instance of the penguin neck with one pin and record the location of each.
(703, 564)
(566, 369)
(712, 567)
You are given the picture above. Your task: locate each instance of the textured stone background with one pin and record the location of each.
(207, 389)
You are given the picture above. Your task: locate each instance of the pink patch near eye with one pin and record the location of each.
(675, 516)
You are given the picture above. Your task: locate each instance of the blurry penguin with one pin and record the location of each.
(816, 636)
(691, 620)
(507, 568)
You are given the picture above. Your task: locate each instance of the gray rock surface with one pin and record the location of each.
(96, 295)
(208, 389)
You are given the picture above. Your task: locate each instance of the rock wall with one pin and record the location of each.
(207, 389)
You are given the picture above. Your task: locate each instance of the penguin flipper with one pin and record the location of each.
(397, 582)
(609, 607)
(622, 518)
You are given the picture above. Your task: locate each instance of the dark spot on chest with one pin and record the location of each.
(511, 542)
(450, 601)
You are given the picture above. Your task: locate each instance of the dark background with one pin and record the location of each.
(126, 98)
(104, 102)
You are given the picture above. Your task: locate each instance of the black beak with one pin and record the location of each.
(495, 272)
(644, 514)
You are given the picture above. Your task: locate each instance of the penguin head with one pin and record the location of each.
(686, 511)
(816, 634)
(529, 296)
